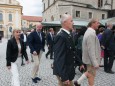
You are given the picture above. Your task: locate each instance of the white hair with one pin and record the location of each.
(64, 17)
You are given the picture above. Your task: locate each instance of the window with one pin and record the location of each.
(60, 16)
(10, 29)
(1, 17)
(44, 6)
(77, 13)
(103, 16)
(100, 3)
(48, 3)
(10, 1)
(0, 26)
(52, 18)
(90, 15)
(10, 17)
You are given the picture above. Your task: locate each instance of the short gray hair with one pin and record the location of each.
(64, 17)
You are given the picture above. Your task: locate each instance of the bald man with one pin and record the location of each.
(36, 42)
(64, 53)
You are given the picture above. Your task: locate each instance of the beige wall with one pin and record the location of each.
(84, 13)
(13, 2)
(56, 10)
(16, 12)
(52, 11)
(25, 23)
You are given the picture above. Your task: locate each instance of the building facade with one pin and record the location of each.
(10, 16)
(79, 9)
(29, 21)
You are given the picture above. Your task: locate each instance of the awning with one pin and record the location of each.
(57, 23)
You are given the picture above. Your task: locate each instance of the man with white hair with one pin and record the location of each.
(64, 53)
(36, 41)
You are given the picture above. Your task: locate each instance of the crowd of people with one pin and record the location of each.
(68, 48)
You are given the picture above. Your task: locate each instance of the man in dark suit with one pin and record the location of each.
(65, 54)
(23, 36)
(50, 42)
(36, 41)
(108, 44)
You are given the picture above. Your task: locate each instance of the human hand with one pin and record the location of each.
(102, 47)
(82, 67)
(96, 67)
(34, 53)
(67, 82)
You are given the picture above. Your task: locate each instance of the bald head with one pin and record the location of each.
(38, 26)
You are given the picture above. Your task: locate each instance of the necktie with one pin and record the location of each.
(52, 36)
(39, 34)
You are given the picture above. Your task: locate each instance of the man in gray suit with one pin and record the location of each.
(91, 53)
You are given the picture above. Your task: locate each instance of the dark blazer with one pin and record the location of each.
(35, 43)
(49, 39)
(108, 34)
(64, 56)
(12, 51)
(22, 36)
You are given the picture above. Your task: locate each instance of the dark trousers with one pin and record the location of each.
(108, 60)
(25, 52)
(50, 51)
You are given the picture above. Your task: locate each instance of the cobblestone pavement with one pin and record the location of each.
(102, 78)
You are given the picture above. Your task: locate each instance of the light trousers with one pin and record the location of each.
(36, 59)
(60, 83)
(15, 66)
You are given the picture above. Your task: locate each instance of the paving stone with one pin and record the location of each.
(45, 73)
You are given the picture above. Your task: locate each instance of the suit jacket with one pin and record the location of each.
(12, 51)
(91, 48)
(49, 39)
(64, 56)
(108, 35)
(22, 37)
(35, 42)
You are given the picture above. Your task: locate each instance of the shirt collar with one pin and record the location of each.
(91, 29)
(65, 30)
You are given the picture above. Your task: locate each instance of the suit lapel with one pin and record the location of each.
(69, 38)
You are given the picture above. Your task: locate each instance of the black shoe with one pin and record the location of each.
(37, 78)
(101, 65)
(22, 64)
(110, 71)
(34, 80)
(46, 56)
(76, 83)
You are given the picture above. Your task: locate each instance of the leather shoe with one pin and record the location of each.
(51, 58)
(34, 80)
(76, 83)
(46, 56)
(37, 78)
(111, 72)
(22, 64)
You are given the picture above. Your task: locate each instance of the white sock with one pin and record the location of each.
(81, 78)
